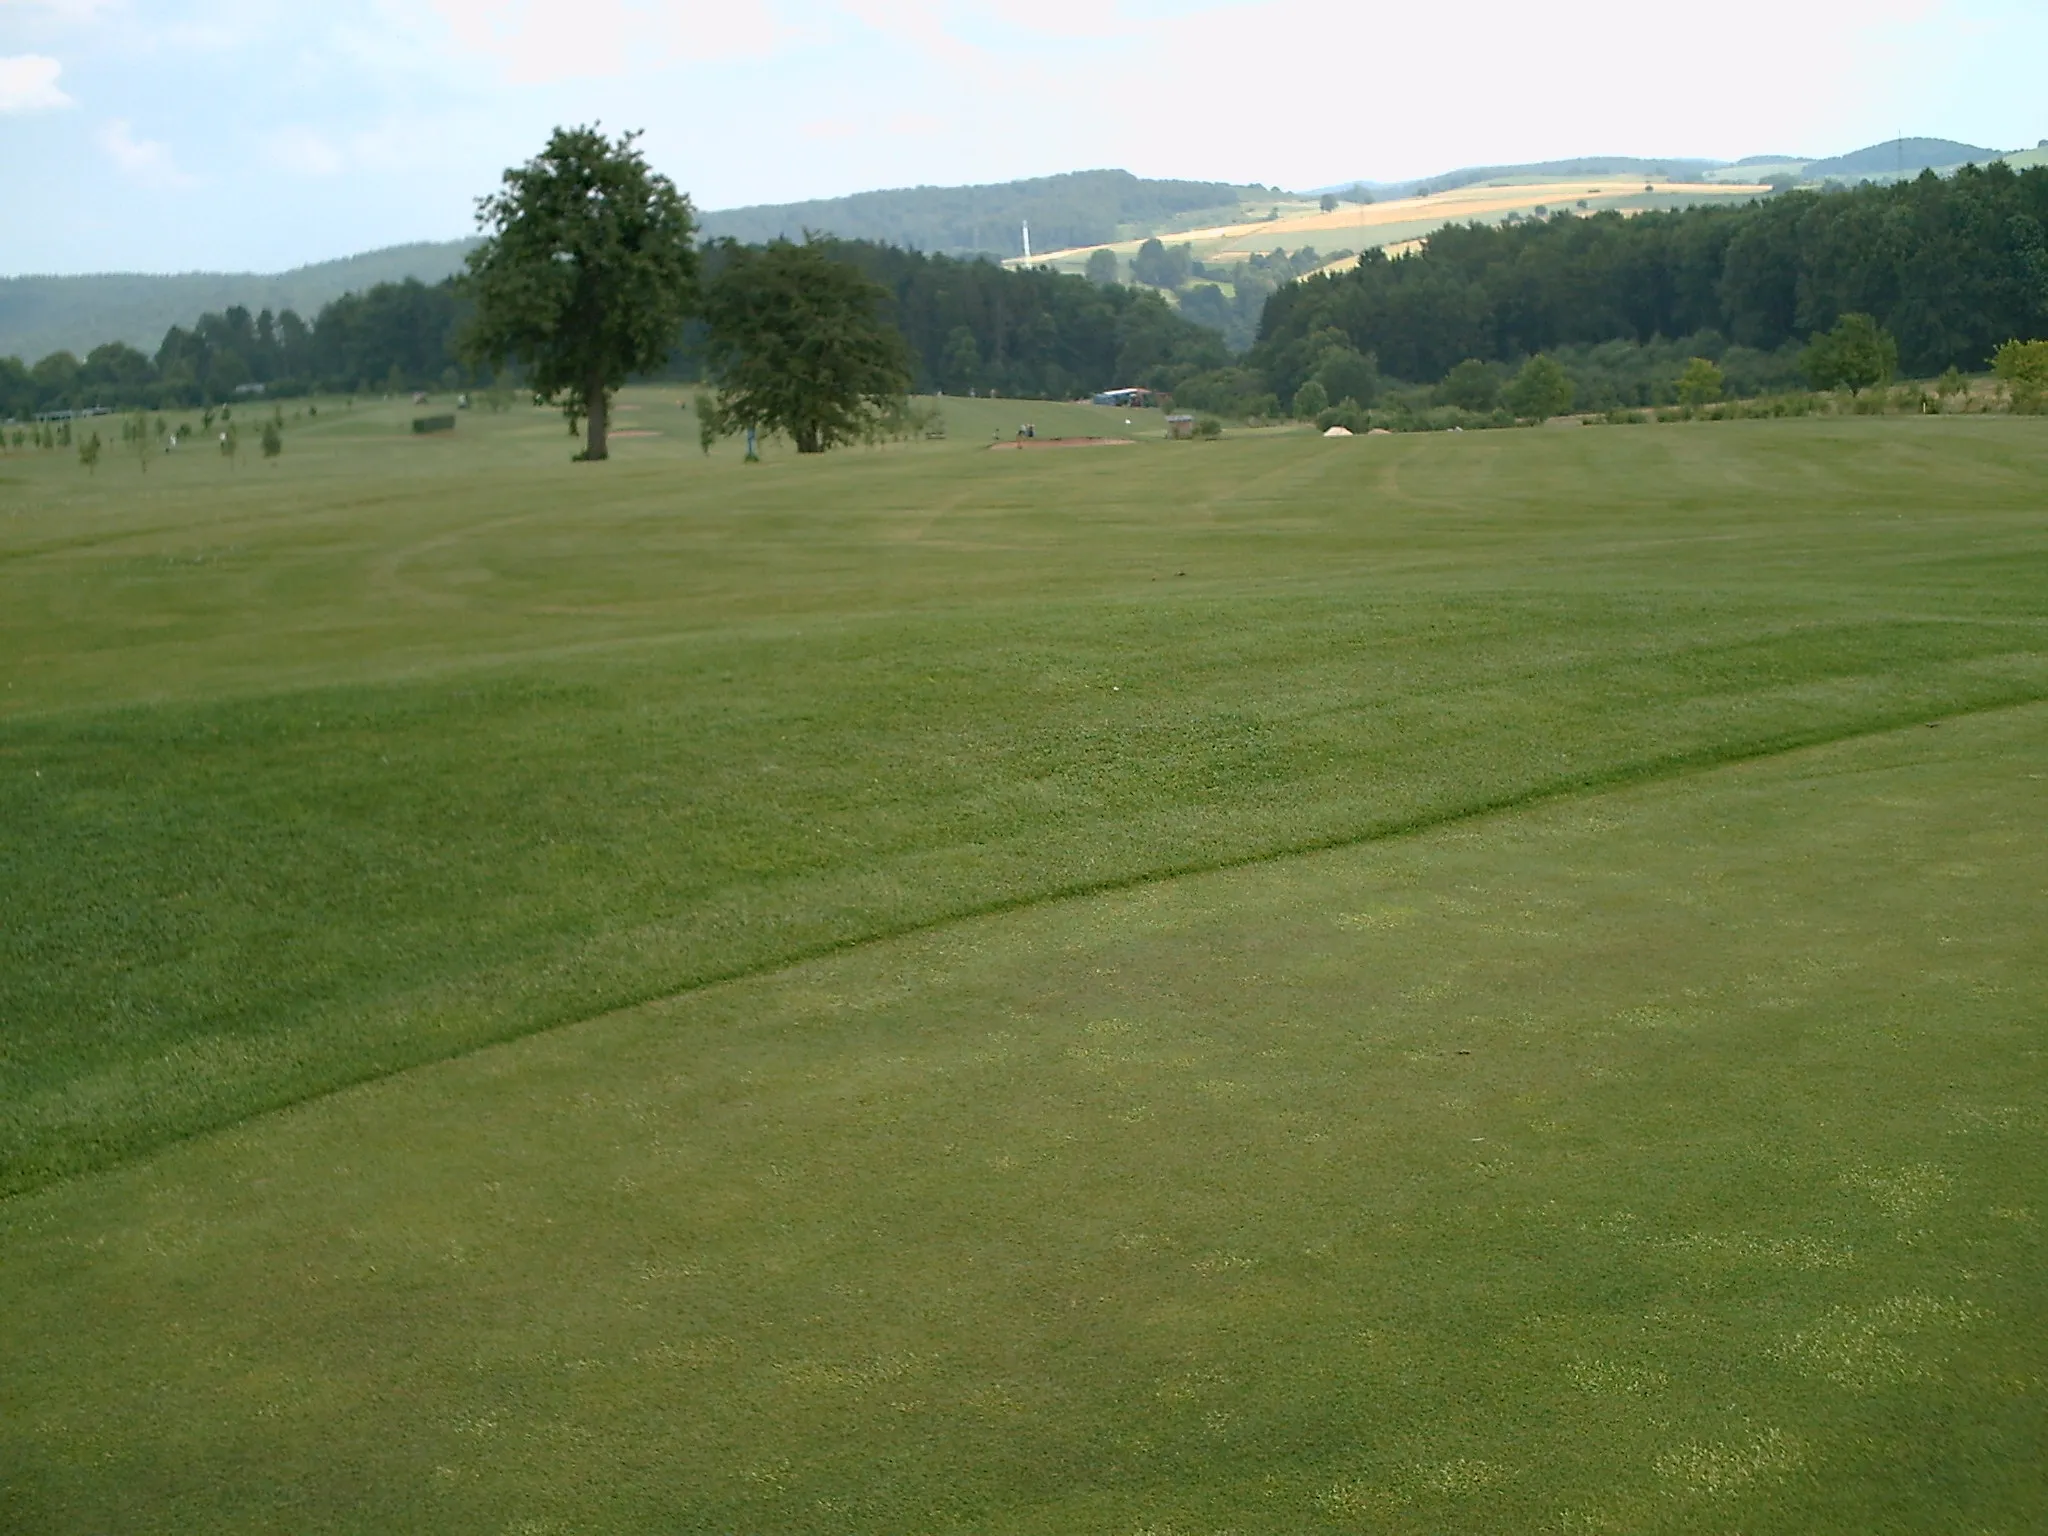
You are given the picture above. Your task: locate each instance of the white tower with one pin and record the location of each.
(1027, 239)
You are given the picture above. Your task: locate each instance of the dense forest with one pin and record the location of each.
(393, 336)
(41, 315)
(1951, 267)
(971, 325)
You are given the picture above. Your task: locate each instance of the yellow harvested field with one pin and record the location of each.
(1401, 224)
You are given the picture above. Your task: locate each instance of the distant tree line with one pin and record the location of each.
(1951, 267)
(969, 325)
(1031, 332)
(393, 336)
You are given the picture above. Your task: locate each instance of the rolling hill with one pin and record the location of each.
(1067, 214)
(1541, 171)
(41, 315)
(1873, 162)
(1080, 208)
(1394, 223)
(1899, 157)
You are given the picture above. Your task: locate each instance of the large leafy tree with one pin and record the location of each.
(1857, 354)
(1471, 386)
(1701, 383)
(1541, 390)
(586, 273)
(1158, 265)
(797, 344)
(2023, 366)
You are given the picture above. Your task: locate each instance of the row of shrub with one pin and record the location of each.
(1912, 399)
(1412, 411)
(145, 431)
(1849, 367)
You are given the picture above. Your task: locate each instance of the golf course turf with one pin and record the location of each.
(1458, 983)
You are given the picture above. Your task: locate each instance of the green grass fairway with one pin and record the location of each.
(1485, 982)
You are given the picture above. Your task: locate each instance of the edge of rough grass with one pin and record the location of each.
(1662, 766)
(937, 1232)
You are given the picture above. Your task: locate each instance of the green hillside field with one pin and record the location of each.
(1446, 983)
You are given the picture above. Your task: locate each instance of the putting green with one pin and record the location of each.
(1666, 1159)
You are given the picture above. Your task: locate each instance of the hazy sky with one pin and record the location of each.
(161, 135)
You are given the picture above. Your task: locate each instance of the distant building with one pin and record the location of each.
(1180, 426)
(1125, 398)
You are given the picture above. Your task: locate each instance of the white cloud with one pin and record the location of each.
(390, 145)
(28, 83)
(144, 159)
(311, 131)
(65, 10)
(1391, 92)
(927, 23)
(393, 144)
(547, 40)
(306, 152)
(893, 125)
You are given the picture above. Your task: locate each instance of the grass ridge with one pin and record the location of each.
(1657, 769)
